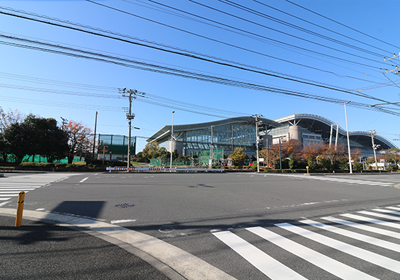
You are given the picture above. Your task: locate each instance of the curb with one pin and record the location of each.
(170, 260)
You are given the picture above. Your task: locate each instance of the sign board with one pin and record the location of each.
(261, 159)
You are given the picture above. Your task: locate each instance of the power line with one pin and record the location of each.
(325, 17)
(198, 76)
(222, 80)
(256, 37)
(161, 46)
(320, 26)
(291, 35)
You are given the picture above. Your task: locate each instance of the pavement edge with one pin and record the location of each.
(173, 262)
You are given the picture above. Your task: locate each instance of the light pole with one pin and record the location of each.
(172, 137)
(374, 147)
(348, 140)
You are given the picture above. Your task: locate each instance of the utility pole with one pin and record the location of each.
(130, 117)
(94, 136)
(211, 149)
(257, 143)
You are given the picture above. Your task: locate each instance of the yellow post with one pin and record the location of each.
(307, 170)
(20, 208)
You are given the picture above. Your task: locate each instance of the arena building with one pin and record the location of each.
(241, 132)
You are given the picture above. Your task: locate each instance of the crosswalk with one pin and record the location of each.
(337, 179)
(10, 186)
(360, 245)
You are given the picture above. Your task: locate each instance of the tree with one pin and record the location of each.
(9, 117)
(238, 156)
(80, 138)
(6, 119)
(35, 136)
(17, 141)
(151, 150)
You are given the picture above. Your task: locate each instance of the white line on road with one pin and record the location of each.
(263, 262)
(6, 198)
(83, 180)
(121, 221)
(333, 266)
(370, 220)
(365, 227)
(360, 253)
(365, 238)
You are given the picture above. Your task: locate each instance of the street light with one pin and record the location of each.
(348, 140)
(172, 137)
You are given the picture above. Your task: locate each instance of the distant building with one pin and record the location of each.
(115, 147)
(230, 133)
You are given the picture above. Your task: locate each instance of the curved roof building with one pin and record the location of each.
(230, 133)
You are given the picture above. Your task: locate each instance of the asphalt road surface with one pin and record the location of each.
(250, 226)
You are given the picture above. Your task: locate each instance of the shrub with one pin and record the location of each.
(7, 168)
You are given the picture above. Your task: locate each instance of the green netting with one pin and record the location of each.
(37, 158)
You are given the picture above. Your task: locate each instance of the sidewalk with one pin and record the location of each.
(38, 250)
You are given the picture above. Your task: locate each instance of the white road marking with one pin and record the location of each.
(263, 262)
(361, 237)
(344, 247)
(83, 180)
(6, 198)
(332, 266)
(121, 221)
(335, 179)
(365, 227)
(370, 220)
(389, 217)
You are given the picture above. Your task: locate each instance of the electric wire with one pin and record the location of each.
(305, 30)
(180, 51)
(198, 75)
(311, 11)
(228, 44)
(320, 26)
(202, 77)
(233, 29)
(291, 35)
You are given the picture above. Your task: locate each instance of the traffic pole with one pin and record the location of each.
(20, 208)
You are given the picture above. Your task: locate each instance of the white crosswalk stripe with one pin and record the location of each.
(334, 179)
(11, 186)
(335, 244)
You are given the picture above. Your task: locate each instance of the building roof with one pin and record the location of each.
(164, 134)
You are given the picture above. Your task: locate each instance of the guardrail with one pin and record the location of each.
(164, 169)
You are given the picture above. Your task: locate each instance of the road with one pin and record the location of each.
(251, 226)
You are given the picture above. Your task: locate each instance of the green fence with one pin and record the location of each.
(201, 160)
(10, 158)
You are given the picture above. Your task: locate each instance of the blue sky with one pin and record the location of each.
(343, 59)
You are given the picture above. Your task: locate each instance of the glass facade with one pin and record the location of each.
(224, 136)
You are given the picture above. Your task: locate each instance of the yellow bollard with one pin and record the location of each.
(20, 208)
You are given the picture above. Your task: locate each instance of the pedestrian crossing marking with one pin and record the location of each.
(11, 186)
(360, 253)
(317, 256)
(326, 263)
(361, 237)
(370, 220)
(263, 262)
(335, 179)
(365, 227)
